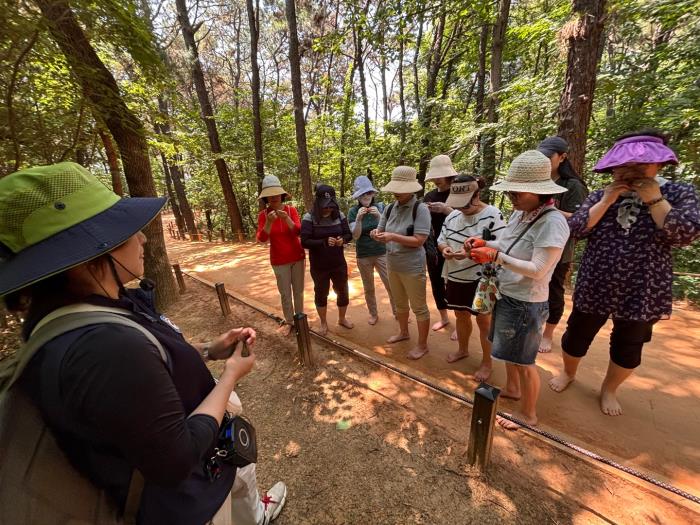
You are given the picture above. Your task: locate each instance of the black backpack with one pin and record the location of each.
(430, 244)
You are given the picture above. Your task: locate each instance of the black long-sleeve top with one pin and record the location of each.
(314, 237)
(118, 407)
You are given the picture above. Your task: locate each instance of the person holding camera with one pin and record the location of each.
(279, 223)
(130, 402)
(404, 228)
(370, 254)
(632, 226)
(324, 232)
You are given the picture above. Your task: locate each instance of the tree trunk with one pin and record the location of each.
(345, 122)
(584, 36)
(402, 99)
(254, 24)
(480, 91)
(188, 32)
(175, 172)
(300, 125)
(497, 43)
(359, 61)
(127, 130)
(112, 161)
(179, 221)
(416, 84)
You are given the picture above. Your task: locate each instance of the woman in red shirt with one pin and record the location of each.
(279, 223)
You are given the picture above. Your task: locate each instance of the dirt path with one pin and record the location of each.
(357, 445)
(657, 433)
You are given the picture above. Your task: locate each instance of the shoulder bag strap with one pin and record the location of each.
(527, 228)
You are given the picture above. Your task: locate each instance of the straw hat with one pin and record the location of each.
(403, 180)
(271, 186)
(530, 172)
(440, 167)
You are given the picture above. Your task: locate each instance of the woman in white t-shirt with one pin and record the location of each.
(470, 218)
(527, 252)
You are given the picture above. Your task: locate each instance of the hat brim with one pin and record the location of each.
(361, 192)
(271, 192)
(441, 174)
(396, 186)
(459, 200)
(540, 188)
(78, 244)
(549, 153)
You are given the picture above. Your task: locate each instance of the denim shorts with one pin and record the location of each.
(516, 330)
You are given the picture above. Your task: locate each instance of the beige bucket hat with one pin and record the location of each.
(403, 180)
(440, 167)
(271, 186)
(530, 172)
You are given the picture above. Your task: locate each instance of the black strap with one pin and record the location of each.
(527, 228)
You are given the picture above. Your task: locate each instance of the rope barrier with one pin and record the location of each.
(455, 396)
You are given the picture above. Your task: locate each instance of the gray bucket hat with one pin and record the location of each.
(362, 185)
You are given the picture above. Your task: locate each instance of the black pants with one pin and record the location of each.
(626, 339)
(322, 285)
(437, 283)
(556, 292)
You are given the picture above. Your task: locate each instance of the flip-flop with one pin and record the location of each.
(456, 357)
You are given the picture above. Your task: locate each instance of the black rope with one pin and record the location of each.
(466, 400)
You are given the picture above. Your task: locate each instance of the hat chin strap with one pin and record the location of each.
(145, 283)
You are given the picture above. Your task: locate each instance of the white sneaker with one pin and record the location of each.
(273, 501)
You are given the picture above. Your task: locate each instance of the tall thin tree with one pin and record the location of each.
(299, 123)
(188, 32)
(254, 24)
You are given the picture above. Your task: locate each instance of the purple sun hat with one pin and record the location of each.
(643, 149)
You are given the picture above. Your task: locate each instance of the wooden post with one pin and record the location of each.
(223, 235)
(306, 354)
(180, 278)
(223, 298)
(481, 432)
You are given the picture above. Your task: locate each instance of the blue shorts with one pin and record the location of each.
(516, 330)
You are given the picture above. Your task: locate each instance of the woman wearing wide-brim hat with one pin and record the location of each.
(626, 272)
(280, 224)
(404, 228)
(526, 251)
(441, 173)
(126, 400)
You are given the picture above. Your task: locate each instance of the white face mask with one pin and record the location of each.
(365, 200)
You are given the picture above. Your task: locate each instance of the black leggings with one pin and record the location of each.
(556, 292)
(322, 285)
(437, 282)
(626, 339)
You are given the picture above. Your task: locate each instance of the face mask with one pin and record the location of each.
(365, 200)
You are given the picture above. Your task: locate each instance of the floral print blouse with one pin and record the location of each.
(626, 272)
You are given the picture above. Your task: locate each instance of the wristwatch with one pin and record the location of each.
(205, 352)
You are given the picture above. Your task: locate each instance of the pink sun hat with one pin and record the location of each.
(643, 149)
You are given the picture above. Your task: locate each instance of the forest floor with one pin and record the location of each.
(657, 432)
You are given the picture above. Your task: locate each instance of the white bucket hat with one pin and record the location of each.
(461, 193)
(403, 180)
(361, 186)
(271, 186)
(440, 167)
(530, 172)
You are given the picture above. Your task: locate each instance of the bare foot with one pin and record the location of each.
(346, 323)
(609, 403)
(453, 357)
(559, 382)
(285, 329)
(453, 335)
(510, 394)
(440, 325)
(545, 345)
(372, 320)
(397, 338)
(324, 329)
(510, 425)
(483, 373)
(417, 352)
